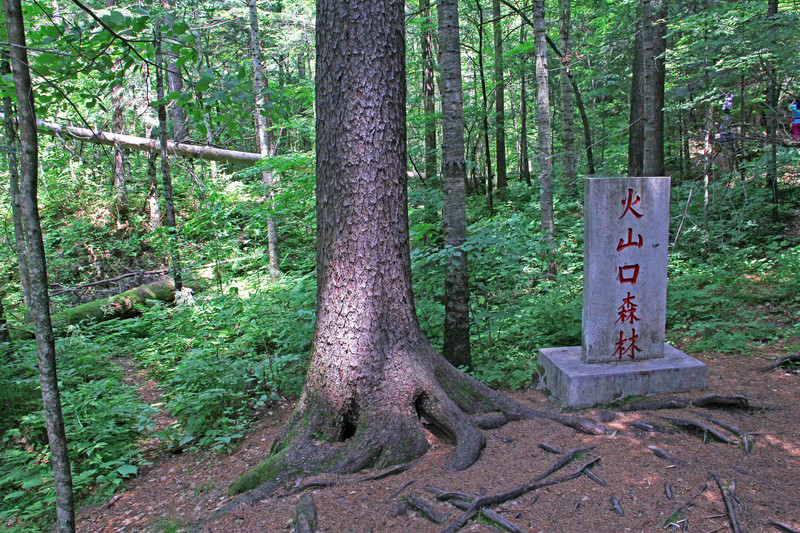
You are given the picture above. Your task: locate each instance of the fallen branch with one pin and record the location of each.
(699, 426)
(550, 449)
(780, 362)
(538, 483)
(729, 497)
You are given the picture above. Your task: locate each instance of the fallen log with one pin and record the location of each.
(144, 144)
(119, 306)
(780, 362)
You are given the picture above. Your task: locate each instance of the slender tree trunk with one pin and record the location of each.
(772, 118)
(428, 90)
(524, 161)
(543, 123)
(37, 267)
(636, 128)
(4, 336)
(166, 176)
(651, 140)
(456, 347)
(266, 141)
(488, 158)
(13, 176)
(659, 79)
(117, 125)
(499, 103)
(567, 99)
(177, 114)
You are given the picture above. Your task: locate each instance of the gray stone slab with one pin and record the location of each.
(577, 384)
(626, 236)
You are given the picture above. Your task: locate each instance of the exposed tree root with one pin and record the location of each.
(424, 509)
(501, 520)
(731, 502)
(700, 428)
(450, 404)
(306, 517)
(780, 362)
(616, 506)
(677, 514)
(780, 526)
(537, 483)
(658, 452)
(670, 403)
(745, 438)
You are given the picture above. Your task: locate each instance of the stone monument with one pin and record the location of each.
(622, 352)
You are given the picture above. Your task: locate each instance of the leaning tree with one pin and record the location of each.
(374, 381)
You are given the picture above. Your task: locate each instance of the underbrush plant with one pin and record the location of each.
(104, 421)
(221, 359)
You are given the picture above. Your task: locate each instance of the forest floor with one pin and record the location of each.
(176, 492)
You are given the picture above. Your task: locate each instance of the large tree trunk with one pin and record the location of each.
(166, 176)
(567, 99)
(374, 379)
(13, 178)
(37, 267)
(266, 141)
(543, 123)
(454, 174)
(499, 103)
(429, 91)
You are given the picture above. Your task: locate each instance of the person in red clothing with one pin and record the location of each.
(795, 120)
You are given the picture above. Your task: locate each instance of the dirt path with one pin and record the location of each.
(179, 491)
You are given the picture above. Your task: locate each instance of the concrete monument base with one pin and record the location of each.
(578, 384)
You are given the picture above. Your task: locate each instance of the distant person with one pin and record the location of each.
(795, 120)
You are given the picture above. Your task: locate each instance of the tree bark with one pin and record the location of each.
(772, 117)
(499, 102)
(429, 91)
(636, 124)
(266, 141)
(166, 176)
(13, 177)
(456, 348)
(543, 123)
(570, 160)
(177, 114)
(37, 267)
(117, 125)
(524, 160)
(374, 379)
(485, 114)
(652, 89)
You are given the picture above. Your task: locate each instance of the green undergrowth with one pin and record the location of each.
(104, 420)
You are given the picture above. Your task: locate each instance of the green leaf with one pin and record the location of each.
(128, 470)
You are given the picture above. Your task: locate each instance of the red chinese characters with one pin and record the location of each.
(626, 345)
